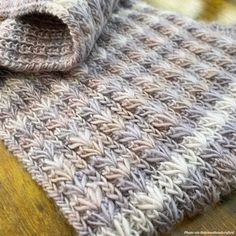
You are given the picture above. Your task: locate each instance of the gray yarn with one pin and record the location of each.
(141, 132)
(49, 35)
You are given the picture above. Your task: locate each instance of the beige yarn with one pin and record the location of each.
(139, 133)
(49, 35)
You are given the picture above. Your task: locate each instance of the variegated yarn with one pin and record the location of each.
(139, 133)
(49, 35)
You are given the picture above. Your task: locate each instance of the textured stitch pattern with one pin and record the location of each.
(50, 35)
(140, 134)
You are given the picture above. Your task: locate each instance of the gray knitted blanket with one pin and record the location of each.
(126, 115)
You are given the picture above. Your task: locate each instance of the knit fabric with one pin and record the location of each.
(135, 137)
(50, 34)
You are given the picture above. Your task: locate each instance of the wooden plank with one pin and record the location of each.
(218, 218)
(25, 210)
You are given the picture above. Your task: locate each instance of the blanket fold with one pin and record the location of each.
(139, 135)
(50, 35)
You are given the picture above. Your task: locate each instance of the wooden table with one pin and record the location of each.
(25, 209)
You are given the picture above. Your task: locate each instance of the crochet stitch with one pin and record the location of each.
(62, 34)
(139, 133)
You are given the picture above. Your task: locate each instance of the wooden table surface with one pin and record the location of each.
(25, 209)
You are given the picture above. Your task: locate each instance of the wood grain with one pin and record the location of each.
(219, 218)
(25, 209)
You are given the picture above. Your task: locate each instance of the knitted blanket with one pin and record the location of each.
(124, 114)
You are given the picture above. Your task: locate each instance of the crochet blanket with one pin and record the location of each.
(124, 114)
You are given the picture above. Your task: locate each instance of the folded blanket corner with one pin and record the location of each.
(140, 130)
(50, 35)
